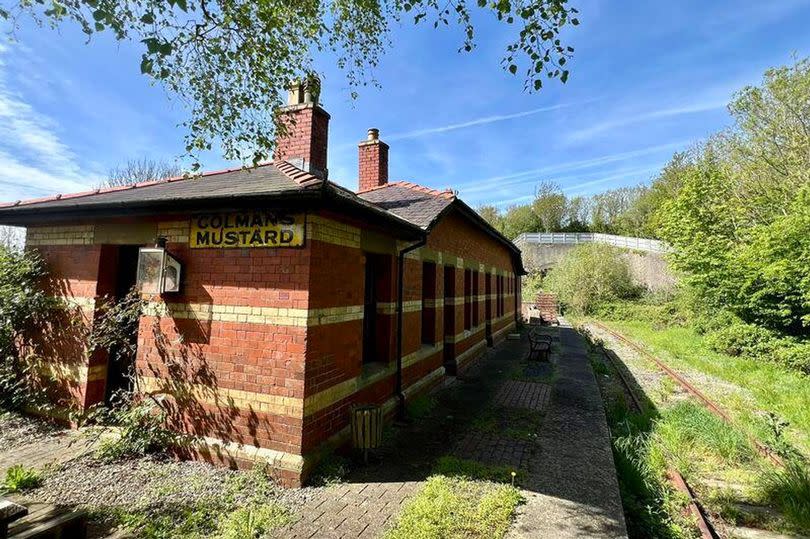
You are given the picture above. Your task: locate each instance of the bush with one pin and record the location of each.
(19, 478)
(589, 275)
(23, 305)
(141, 426)
(740, 339)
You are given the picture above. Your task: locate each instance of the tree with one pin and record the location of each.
(230, 61)
(589, 274)
(141, 170)
(519, 219)
(492, 215)
(549, 206)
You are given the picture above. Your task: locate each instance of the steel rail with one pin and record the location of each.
(675, 478)
(711, 405)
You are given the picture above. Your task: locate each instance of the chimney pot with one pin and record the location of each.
(373, 133)
(307, 128)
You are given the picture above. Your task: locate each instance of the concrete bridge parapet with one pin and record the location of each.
(645, 257)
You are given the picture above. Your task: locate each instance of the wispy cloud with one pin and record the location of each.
(547, 172)
(589, 133)
(33, 159)
(584, 188)
(476, 122)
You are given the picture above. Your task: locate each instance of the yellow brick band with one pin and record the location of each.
(218, 396)
(276, 459)
(255, 315)
(174, 231)
(59, 235)
(72, 372)
(391, 307)
(327, 230)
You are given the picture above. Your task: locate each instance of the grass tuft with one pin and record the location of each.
(453, 507)
(789, 490)
(688, 436)
(19, 478)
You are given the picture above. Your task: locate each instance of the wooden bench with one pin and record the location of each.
(539, 345)
(45, 521)
(9, 512)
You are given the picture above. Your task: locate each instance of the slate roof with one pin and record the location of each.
(415, 203)
(265, 180)
(406, 206)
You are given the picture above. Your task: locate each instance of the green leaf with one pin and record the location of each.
(148, 18)
(513, 69)
(146, 66)
(152, 44)
(165, 48)
(99, 15)
(564, 76)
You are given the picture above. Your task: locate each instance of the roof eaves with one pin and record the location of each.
(139, 185)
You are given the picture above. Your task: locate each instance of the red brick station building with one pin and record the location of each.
(297, 298)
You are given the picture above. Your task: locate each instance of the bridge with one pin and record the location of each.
(646, 257)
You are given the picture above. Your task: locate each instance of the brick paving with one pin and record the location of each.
(362, 510)
(517, 394)
(495, 449)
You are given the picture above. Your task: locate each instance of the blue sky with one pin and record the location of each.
(648, 79)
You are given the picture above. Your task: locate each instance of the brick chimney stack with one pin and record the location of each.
(307, 124)
(373, 161)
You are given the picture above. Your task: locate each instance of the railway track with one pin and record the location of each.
(675, 478)
(684, 383)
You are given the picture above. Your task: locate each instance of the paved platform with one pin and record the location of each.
(572, 490)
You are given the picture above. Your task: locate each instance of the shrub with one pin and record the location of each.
(591, 274)
(141, 426)
(23, 305)
(19, 478)
(741, 339)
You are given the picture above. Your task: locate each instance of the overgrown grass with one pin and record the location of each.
(454, 507)
(691, 439)
(789, 490)
(19, 478)
(773, 388)
(461, 499)
(514, 423)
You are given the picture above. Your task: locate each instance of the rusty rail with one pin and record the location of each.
(683, 382)
(674, 476)
(706, 530)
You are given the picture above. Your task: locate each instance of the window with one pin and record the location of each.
(467, 299)
(475, 302)
(428, 303)
(499, 295)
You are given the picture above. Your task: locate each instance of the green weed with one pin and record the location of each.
(452, 507)
(253, 522)
(470, 469)
(421, 406)
(19, 478)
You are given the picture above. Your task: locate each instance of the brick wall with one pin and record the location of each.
(264, 347)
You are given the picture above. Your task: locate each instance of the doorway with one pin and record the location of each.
(122, 267)
(450, 320)
(488, 306)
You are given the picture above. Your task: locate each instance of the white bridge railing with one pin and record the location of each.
(573, 238)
